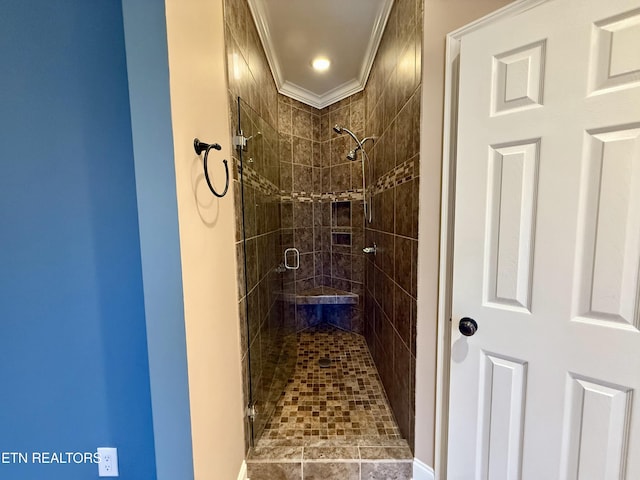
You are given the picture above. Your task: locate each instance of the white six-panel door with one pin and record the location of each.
(547, 247)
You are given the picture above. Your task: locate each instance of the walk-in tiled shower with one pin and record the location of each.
(338, 399)
(329, 346)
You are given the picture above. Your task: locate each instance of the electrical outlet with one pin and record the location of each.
(108, 466)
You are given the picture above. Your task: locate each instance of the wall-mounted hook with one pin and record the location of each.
(200, 147)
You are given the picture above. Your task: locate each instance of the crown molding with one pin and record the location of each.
(301, 94)
(321, 101)
(260, 19)
(374, 42)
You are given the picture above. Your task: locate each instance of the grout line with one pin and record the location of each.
(273, 460)
(332, 460)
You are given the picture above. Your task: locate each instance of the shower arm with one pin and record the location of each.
(366, 139)
(353, 135)
(339, 130)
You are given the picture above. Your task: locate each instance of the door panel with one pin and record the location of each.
(597, 422)
(511, 186)
(615, 61)
(547, 246)
(501, 410)
(518, 79)
(609, 234)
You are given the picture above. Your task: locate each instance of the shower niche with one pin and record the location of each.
(341, 224)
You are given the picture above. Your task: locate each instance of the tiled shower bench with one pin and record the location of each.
(325, 296)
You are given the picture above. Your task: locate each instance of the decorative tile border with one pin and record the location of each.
(349, 195)
(399, 175)
(327, 197)
(253, 179)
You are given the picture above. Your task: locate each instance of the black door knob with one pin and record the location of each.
(467, 326)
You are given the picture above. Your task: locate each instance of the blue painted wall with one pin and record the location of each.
(73, 356)
(145, 28)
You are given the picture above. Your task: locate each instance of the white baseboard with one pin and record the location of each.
(243, 471)
(422, 471)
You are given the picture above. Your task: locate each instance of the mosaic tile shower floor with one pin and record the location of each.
(341, 404)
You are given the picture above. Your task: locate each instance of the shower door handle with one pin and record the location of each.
(296, 257)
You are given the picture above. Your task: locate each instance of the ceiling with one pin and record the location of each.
(294, 32)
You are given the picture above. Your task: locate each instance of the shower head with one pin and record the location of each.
(352, 155)
(340, 130)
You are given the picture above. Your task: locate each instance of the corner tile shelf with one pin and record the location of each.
(325, 296)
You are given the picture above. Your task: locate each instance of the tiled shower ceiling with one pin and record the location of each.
(293, 33)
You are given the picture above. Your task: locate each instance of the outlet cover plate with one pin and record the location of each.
(108, 466)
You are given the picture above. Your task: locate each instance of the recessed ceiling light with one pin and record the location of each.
(321, 64)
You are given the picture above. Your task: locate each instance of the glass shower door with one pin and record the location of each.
(271, 340)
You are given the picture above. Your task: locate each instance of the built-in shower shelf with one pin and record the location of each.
(325, 296)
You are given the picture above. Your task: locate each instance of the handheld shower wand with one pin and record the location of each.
(353, 155)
